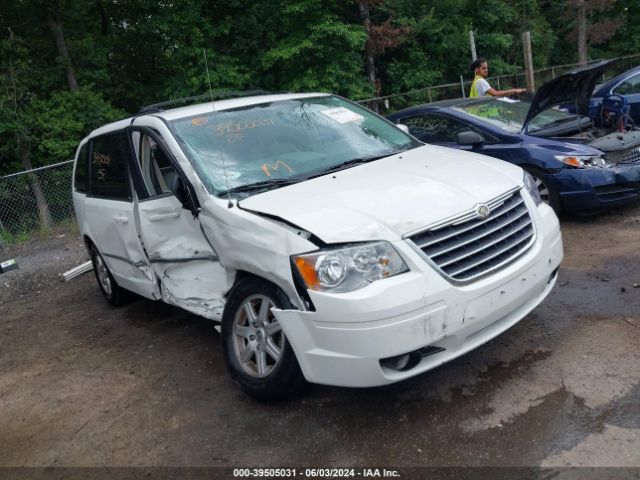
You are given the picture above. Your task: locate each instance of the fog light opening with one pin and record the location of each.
(404, 362)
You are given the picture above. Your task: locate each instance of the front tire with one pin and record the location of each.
(548, 194)
(257, 353)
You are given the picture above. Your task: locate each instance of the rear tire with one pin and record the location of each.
(257, 353)
(113, 293)
(548, 194)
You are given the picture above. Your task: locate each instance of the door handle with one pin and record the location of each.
(158, 217)
(121, 219)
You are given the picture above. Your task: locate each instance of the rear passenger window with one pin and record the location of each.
(629, 86)
(109, 172)
(156, 168)
(438, 129)
(434, 128)
(81, 178)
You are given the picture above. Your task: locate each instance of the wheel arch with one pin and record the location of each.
(555, 200)
(242, 275)
(88, 242)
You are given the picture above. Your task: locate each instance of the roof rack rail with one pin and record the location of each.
(158, 107)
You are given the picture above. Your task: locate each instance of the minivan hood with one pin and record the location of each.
(574, 87)
(388, 198)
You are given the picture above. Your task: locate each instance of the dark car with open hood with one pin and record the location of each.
(578, 167)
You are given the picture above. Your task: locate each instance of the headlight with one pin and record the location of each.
(350, 268)
(532, 188)
(582, 161)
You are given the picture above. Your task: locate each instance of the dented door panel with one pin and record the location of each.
(187, 266)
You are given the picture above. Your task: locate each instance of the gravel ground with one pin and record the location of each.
(87, 385)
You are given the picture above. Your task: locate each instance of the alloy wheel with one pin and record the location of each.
(258, 340)
(543, 190)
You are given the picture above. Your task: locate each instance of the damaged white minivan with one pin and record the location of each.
(332, 246)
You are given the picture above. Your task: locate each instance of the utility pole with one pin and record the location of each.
(581, 26)
(370, 67)
(472, 41)
(528, 61)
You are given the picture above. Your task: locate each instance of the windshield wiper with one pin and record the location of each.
(353, 161)
(281, 182)
(274, 182)
(556, 122)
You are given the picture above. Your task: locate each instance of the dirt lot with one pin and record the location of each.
(83, 384)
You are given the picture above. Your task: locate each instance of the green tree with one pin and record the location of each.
(319, 47)
(43, 112)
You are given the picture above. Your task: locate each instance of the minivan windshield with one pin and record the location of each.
(509, 114)
(275, 144)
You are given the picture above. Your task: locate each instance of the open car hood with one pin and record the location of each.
(573, 87)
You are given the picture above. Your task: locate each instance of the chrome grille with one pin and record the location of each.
(468, 249)
(628, 155)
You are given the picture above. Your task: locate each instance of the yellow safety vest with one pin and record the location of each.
(474, 90)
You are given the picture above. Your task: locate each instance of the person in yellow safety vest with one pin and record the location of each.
(481, 88)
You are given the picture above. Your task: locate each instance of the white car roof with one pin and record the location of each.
(199, 109)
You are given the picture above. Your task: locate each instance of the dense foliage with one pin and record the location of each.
(67, 66)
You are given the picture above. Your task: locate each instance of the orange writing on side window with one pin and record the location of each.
(267, 167)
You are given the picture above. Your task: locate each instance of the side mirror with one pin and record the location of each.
(469, 138)
(180, 191)
(402, 127)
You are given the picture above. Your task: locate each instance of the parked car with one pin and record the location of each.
(627, 86)
(578, 168)
(329, 244)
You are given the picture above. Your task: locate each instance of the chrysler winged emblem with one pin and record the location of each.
(482, 211)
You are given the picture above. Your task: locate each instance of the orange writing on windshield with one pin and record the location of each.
(267, 167)
(197, 122)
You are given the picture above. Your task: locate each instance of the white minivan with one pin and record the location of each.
(329, 244)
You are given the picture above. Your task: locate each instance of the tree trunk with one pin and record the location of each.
(58, 36)
(581, 27)
(43, 207)
(370, 66)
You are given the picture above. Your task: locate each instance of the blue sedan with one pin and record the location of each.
(625, 85)
(552, 145)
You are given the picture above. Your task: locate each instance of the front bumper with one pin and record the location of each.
(583, 190)
(344, 340)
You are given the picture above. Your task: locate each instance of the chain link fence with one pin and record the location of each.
(36, 201)
(392, 103)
